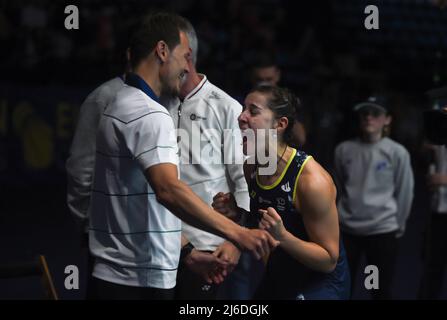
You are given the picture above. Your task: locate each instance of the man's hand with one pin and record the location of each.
(259, 242)
(226, 205)
(208, 266)
(272, 222)
(229, 253)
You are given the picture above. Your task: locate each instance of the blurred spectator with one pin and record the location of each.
(376, 192)
(266, 71)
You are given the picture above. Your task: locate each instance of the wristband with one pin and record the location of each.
(186, 250)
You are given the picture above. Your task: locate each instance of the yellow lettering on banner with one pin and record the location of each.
(38, 144)
(36, 135)
(20, 114)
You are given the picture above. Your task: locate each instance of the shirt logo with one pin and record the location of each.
(253, 194)
(214, 95)
(300, 297)
(206, 287)
(381, 165)
(262, 200)
(280, 204)
(194, 117)
(286, 187)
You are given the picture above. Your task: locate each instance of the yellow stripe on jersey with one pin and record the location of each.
(298, 176)
(278, 181)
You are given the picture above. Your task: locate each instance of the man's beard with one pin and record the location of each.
(168, 98)
(169, 92)
(169, 101)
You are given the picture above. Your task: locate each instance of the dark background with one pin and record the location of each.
(323, 49)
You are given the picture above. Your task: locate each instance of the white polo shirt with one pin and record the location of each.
(135, 240)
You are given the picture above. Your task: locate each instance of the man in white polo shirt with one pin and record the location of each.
(134, 237)
(81, 161)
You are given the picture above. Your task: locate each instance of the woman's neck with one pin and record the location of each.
(283, 153)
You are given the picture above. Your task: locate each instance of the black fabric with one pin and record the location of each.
(435, 261)
(90, 264)
(380, 250)
(104, 290)
(435, 126)
(191, 286)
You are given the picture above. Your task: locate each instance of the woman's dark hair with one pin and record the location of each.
(283, 103)
(152, 28)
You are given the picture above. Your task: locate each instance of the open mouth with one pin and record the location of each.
(244, 134)
(247, 137)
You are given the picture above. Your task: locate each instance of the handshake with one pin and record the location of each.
(215, 266)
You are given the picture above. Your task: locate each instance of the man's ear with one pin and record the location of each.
(162, 51)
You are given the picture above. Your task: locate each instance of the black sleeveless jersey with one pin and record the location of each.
(284, 274)
(280, 195)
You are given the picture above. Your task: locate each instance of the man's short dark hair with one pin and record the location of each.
(151, 29)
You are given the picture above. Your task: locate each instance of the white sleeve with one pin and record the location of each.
(81, 161)
(233, 146)
(151, 140)
(404, 184)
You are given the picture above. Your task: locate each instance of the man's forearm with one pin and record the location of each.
(186, 205)
(185, 241)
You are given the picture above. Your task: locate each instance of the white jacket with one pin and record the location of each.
(208, 107)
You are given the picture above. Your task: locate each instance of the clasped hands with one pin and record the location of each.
(214, 267)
